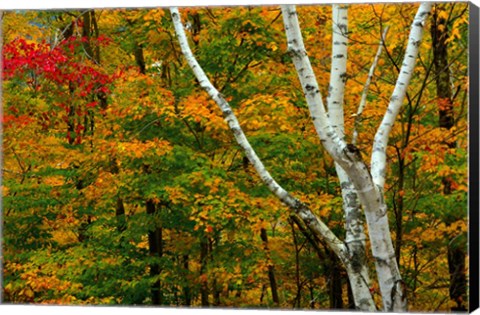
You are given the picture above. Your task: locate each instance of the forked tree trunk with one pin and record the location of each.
(368, 186)
(355, 235)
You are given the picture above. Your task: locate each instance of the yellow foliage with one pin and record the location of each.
(54, 180)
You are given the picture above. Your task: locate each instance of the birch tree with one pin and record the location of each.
(357, 180)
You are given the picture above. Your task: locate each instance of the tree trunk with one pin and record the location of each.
(119, 207)
(271, 268)
(351, 300)
(86, 32)
(398, 210)
(458, 279)
(456, 252)
(203, 271)
(186, 287)
(155, 244)
(139, 59)
(368, 185)
(120, 215)
(439, 32)
(335, 282)
(298, 298)
(355, 234)
(215, 288)
(89, 28)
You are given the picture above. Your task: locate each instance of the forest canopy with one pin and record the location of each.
(124, 182)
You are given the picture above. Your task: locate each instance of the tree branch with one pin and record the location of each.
(363, 100)
(301, 209)
(379, 155)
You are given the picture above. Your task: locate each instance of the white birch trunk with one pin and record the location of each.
(301, 209)
(348, 157)
(355, 234)
(379, 153)
(338, 71)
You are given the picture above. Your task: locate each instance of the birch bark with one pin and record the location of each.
(355, 234)
(379, 153)
(348, 156)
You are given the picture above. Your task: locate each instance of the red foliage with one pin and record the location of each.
(55, 65)
(57, 71)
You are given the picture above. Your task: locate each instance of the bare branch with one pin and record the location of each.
(363, 101)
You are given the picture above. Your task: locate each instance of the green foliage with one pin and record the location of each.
(123, 187)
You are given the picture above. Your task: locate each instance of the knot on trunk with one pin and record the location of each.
(352, 153)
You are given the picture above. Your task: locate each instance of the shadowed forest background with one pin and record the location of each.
(122, 183)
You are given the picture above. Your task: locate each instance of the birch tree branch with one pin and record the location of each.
(355, 234)
(349, 158)
(332, 142)
(379, 152)
(301, 209)
(338, 71)
(363, 100)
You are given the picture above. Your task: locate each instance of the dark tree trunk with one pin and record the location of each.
(446, 119)
(71, 134)
(298, 282)
(119, 207)
(155, 244)
(139, 58)
(439, 32)
(458, 280)
(271, 268)
(86, 33)
(398, 204)
(203, 271)
(215, 288)
(186, 288)
(96, 32)
(335, 282)
(89, 29)
(351, 300)
(120, 215)
(196, 28)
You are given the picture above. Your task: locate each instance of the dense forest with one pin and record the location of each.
(127, 180)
